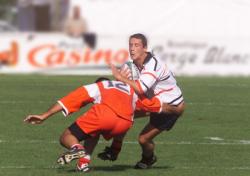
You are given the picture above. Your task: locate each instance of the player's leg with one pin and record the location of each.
(173, 109)
(90, 144)
(83, 164)
(70, 139)
(158, 123)
(141, 114)
(100, 119)
(147, 145)
(117, 132)
(87, 128)
(111, 153)
(146, 139)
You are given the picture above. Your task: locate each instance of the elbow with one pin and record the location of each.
(139, 91)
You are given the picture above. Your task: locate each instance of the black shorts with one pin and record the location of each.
(162, 121)
(78, 132)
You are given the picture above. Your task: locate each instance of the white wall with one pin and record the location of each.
(220, 18)
(193, 37)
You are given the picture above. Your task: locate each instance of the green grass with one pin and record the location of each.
(216, 107)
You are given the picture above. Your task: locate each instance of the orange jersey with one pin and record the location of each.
(112, 114)
(118, 96)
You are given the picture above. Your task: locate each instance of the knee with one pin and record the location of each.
(63, 137)
(142, 140)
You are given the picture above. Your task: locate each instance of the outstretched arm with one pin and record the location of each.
(37, 119)
(122, 77)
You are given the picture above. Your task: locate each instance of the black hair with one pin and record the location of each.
(141, 37)
(101, 79)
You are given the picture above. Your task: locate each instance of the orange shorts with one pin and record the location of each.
(100, 119)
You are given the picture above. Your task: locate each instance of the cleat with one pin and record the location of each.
(146, 163)
(83, 167)
(107, 154)
(67, 157)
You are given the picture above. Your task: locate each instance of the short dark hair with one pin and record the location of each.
(101, 79)
(141, 37)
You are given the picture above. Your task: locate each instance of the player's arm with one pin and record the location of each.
(146, 80)
(121, 77)
(67, 105)
(148, 105)
(77, 99)
(144, 104)
(37, 119)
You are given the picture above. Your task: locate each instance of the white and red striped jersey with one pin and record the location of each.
(156, 79)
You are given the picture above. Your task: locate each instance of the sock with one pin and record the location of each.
(148, 158)
(84, 160)
(76, 146)
(116, 146)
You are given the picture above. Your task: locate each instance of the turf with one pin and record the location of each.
(211, 139)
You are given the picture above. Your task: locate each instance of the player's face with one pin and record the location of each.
(136, 49)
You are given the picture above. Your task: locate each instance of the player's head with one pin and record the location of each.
(137, 46)
(140, 37)
(101, 79)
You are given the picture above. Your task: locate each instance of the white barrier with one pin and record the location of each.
(196, 56)
(59, 54)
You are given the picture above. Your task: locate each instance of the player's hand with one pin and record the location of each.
(34, 119)
(126, 72)
(116, 73)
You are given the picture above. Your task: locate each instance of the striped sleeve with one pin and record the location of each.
(147, 80)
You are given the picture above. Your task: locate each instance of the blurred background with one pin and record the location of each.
(48, 48)
(195, 37)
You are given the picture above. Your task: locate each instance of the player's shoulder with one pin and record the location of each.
(91, 87)
(152, 62)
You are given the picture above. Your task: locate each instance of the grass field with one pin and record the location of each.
(211, 139)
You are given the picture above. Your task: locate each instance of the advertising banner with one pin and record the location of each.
(197, 56)
(59, 54)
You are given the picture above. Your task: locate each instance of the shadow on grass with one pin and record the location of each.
(113, 168)
(126, 167)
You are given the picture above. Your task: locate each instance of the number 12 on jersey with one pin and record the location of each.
(117, 85)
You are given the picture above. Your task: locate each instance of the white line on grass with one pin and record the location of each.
(229, 85)
(214, 168)
(20, 101)
(28, 167)
(218, 104)
(189, 103)
(175, 168)
(231, 142)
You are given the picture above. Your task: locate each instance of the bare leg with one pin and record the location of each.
(67, 139)
(170, 109)
(146, 140)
